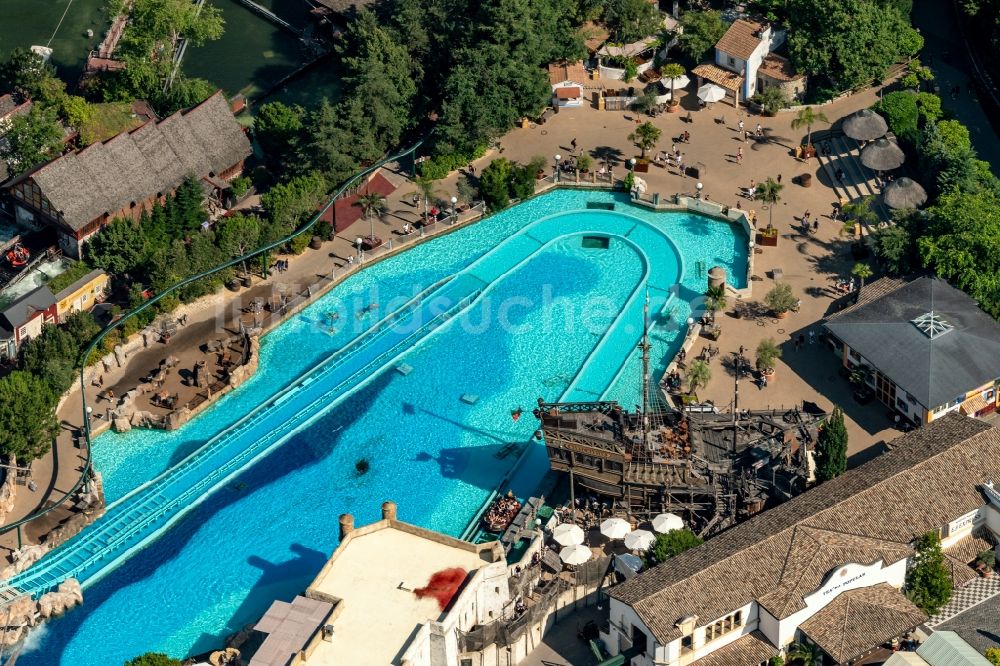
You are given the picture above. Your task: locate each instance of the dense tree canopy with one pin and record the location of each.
(27, 419)
(850, 42)
(32, 138)
(928, 583)
(631, 20)
(831, 447)
(671, 544)
(701, 31)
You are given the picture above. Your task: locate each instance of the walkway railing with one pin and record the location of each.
(85, 440)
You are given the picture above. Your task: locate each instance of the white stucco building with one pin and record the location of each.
(826, 567)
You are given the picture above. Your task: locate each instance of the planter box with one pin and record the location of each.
(766, 240)
(369, 243)
(642, 167)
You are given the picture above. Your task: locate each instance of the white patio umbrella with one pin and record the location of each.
(677, 83)
(577, 554)
(665, 522)
(710, 92)
(639, 540)
(615, 528)
(567, 534)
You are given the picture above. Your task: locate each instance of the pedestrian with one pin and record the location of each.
(739, 125)
(673, 148)
(760, 130)
(840, 175)
(812, 337)
(472, 169)
(572, 144)
(746, 136)
(779, 179)
(350, 260)
(816, 224)
(100, 381)
(416, 199)
(739, 155)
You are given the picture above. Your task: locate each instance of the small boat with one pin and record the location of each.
(501, 513)
(18, 256)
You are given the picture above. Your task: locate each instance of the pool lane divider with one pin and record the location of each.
(148, 511)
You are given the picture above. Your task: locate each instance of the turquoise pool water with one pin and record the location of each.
(265, 534)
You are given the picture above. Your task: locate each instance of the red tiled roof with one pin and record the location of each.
(345, 212)
(568, 93)
(742, 39)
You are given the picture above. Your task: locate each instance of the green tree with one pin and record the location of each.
(154, 659)
(287, 204)
(372, 205)
(896, 247)
(238, 235)
(831, 447)
(772, 99)
(993, 656)
(767, 354)
(901, 114)
(27, 415)
(715, 299)
(161, 21)
(807, 118)
(277, 126)
(82, 327)
(118, 248)
(32, 138)
(326, 146)
(806, 654)
(770, 193)
(849, 42)
(427, 187)
(859, 212)
(862, 272)
(671, 544)
(961, 243)
(701, 31)
(645, 137)
(670, 71)
(928, 584)
(26, 73)
(494, 183)
(699, 373)
(51, 355)
(631, 20)
(929, 106)
(780, 298)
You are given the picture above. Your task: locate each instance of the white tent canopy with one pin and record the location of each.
(639, 540)
(615, 528)
(710, 92)
(567, 534)
(666, 522)
(577, 554)
(675, 84)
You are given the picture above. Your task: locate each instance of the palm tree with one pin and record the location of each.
(373, 205)
(427, 190)
(769, 192)
(698, 374)
(807, 118)
(715, 299)
(670, 72)
(862, 272)
(859, 212)
(806, 654)
(645, 137)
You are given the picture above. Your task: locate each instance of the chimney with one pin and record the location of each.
(389, 510)
(346, 525)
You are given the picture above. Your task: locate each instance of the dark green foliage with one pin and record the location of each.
(440, 166)
(701, 31)
(896, 244)
(32, 138)
(671, 544)
(154, 659)
(900, 111)
(850, 42)
(494, 184)
(50, 356)
(276, 127)
(118, 248)
(27, 417)
(831, 447)
(26, 73)
(76, 271)
(631, 20)
(928, 583)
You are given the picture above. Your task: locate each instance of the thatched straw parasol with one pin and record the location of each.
(882, 155)
(865, 125)
(904, 193)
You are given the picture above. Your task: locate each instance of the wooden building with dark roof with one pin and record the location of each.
(825, 567)
(80, 192)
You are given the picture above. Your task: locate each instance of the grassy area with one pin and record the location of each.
(107, 120)
(68, 277)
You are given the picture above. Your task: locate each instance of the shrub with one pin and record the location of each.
(767, 353)
(771, 99)
(671, 544)
(901, 113)
(76, 271)
(928, 583)
(929, 106)
(993, 656)
(780, 299)
(154, 659)
(440, 166)
(240, 186)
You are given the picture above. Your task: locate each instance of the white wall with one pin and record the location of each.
(993, 519)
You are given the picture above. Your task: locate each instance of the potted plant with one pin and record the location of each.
(698, 375)
(781, 299)
(807, 118)
(670, 72)
(584, 162)
(767, 354)
(985, 563)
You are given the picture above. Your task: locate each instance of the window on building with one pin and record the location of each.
(732, 62)
(465, 662)
(639, 639)
(687, 643)
(723, 626)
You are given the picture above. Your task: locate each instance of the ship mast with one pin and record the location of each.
(644, 346)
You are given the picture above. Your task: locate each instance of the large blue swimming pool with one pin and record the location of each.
(265, 534)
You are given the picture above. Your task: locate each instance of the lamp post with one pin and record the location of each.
(555, 172)
(631, 164)
(699, 187)
(358, 242)
(454, 214)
